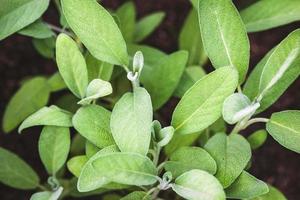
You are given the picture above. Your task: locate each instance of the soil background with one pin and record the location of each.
(18, 59)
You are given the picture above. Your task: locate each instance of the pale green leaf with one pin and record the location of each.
(257, 139)
(187, 158)
(165, 135)
(54, 147)
(284, 127)
(16, 173)
(51, 116)
(246, 186)
(92, 122)
(97, 30)
(71, 65)
(202, 103)
(15, 15)
(137, 195)
(90, 149)
(267, 14)
(41, 196)
(29, 98)
(147, 25)
(271, 195)
(127, 14)
(224, 35)
(197, 184)
(76, 164)
(37, 29)
(132, 117)
(232, 154)
(56, 83)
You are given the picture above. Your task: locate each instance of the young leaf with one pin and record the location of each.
(126, 168)
(190, 39)
(202, 103)
(29, 98)
(197, 184)
(188, 158)
(126, 14)
(137, 195)
(267, 14)
(236, 107)
(45, 47)
(154, 77)
(147, 25)
(16, 173)
(15, 15)
(271, 195)
(37, 29)
(51, 116)
(257, 139)
(89, 178)
(189, 77)
(54, 147)
(92, 122)
(47, 195)
(277, 71)
(97, 88)
(71, 65)
(132, 118)
(97, 30)
(165, 135)
(222, 29)
(284, 127)
(98, 69)
(56, 83)
(232, 154)
(75, 164)
(246, 186)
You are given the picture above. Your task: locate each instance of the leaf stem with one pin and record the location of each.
(41, 187)
(256, 120)
(58, 29)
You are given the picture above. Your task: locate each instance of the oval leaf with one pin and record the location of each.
(137, 195)
(197, 184)
(33, 95)
(71, 65)
(257, 139)
(131, 121)
(222, 29)
(51, 116)
(75, 164)
(37, 29)
(271, 195)
(126, 15)
(16, 173)
(232, 154)
(97, 30)
(284, 127)
(202, 103)
(92, 122)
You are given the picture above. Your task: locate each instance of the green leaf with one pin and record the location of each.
(75, 164)
(90, 149)
(232, 154)
(56, 82)
(97, 88)
(89, 178)
(126, 168)
(190, 39)
(92, 122)
(189, 77)
(71, 65)
(45, 47)
(164, 136)
(197, 184)
(222, 29)
(202, 103)
(267, 14)
(236, 107)
(147, 25)
(47, 195)
(246, 186)
(97, 30)
(284, 127)
(37, 29)
(16, 173)
(188, 158)
(257, 139)
(29, 98)
(98, 69)
(154, 77)
(54, 147)
(15, 15)
(271, 195)
(137, 195)
(132, 117)
(276, 72)
(126, 14)
(51, 116)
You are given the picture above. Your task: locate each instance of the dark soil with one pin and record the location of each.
(18, 59)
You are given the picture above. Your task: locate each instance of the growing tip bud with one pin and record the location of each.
(138, 62)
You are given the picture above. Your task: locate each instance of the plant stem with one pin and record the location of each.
(42, 187)
(58, 29)
(156, 155)
(255, 120)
